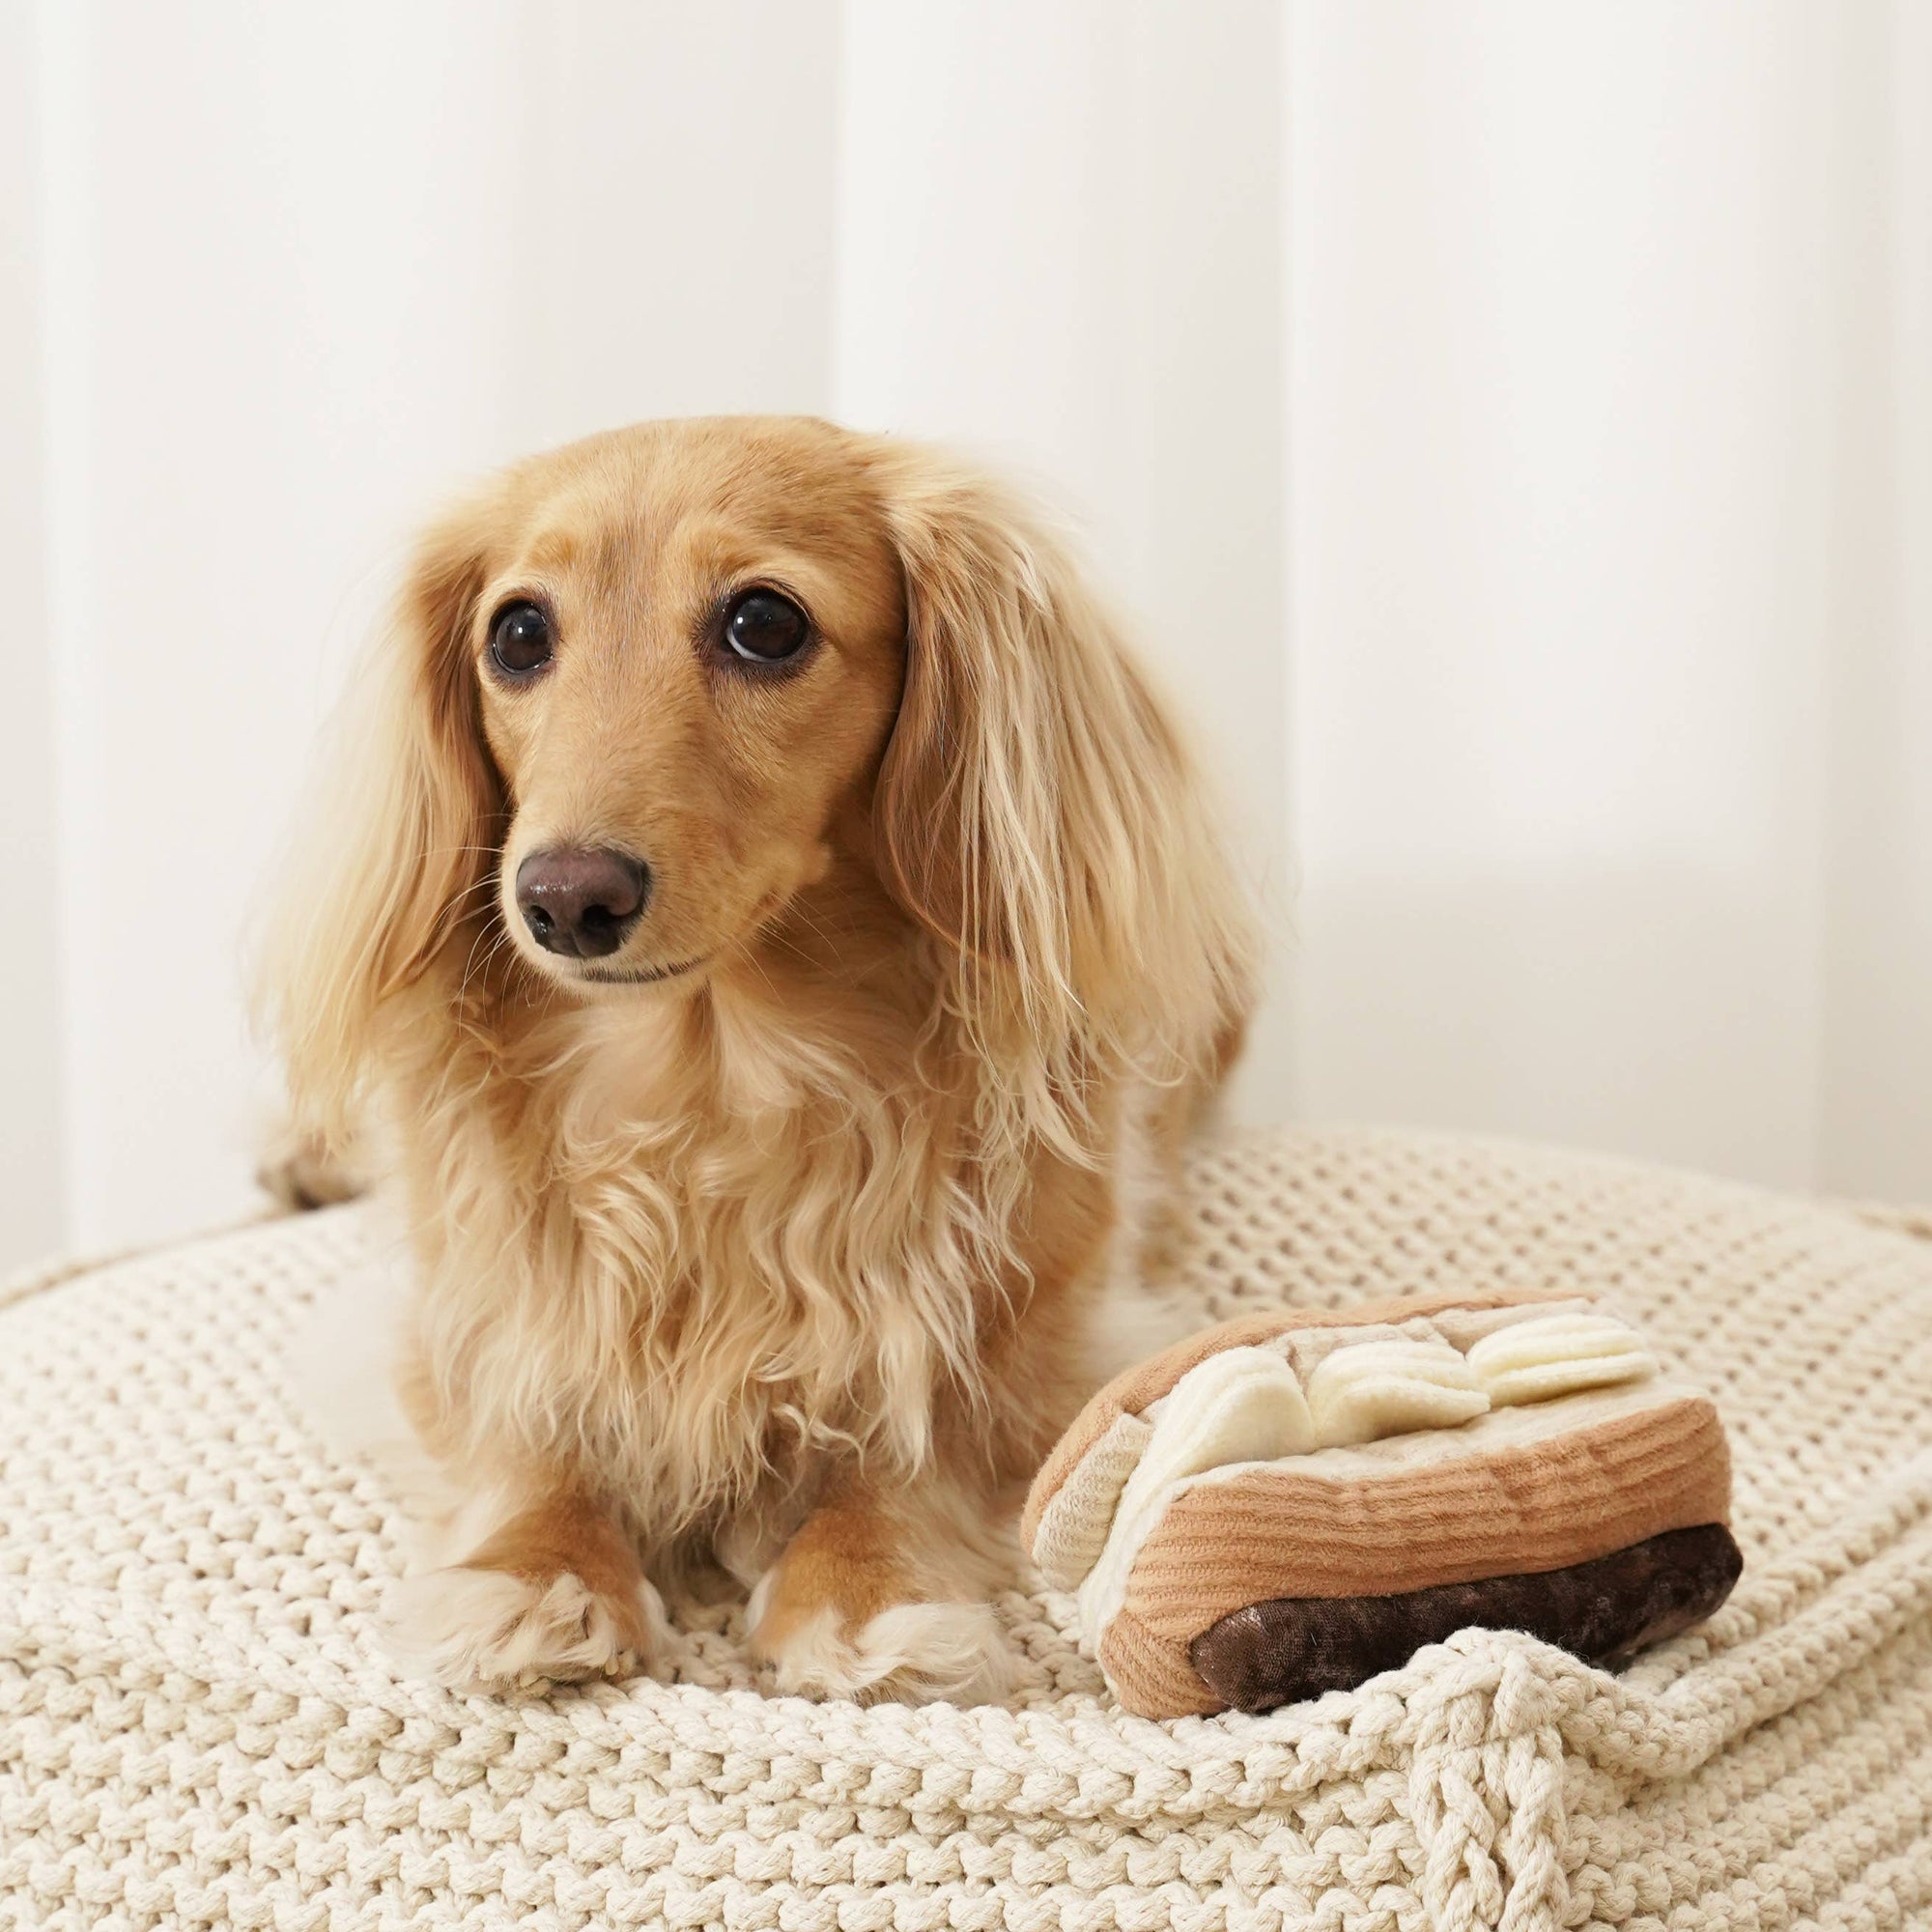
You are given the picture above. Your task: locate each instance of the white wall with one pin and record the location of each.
(1511, 424)
(1562, 431)
(32, 1175)
(1875, 1126)
(1608, 402)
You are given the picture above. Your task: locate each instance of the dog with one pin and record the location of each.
(779, 945)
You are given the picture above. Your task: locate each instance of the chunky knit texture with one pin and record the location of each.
(197, 1729)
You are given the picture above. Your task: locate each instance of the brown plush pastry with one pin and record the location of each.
(1291, 1503)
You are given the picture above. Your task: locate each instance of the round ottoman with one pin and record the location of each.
(197, 1729)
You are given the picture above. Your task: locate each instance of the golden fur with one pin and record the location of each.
(791, 1262)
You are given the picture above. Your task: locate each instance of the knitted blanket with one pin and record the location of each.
(197, 1729)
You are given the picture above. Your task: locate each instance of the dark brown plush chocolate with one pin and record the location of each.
(1296, 1647)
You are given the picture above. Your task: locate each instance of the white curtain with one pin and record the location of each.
(1511, 424)
(1610, 429)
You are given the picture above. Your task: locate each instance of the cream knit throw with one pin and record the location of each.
(196, 1730)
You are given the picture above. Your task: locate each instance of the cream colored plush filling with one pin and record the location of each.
(1390, 1388)
(1241, 1406)
(1558, 1354)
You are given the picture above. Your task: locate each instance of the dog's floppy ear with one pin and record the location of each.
(393, 854)
(1034, 809)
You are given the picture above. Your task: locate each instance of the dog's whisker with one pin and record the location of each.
(501, 940)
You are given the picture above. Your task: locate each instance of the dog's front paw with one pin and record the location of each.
(478, 1628)
(909, 1653)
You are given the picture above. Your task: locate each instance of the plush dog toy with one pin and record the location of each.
(1289, 1503)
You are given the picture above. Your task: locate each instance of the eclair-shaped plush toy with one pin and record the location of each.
(1289, 1503)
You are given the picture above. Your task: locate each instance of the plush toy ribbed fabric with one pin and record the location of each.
(1289, 1504)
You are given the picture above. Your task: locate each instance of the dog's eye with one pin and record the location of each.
(520, 639)
(764, 627)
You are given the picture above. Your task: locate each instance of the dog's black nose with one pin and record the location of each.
(581, 903)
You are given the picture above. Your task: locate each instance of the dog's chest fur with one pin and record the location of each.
(721, 1266)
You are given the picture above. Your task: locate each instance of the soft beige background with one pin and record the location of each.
(1511, 423)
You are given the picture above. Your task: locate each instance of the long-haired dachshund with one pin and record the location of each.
(785, 945)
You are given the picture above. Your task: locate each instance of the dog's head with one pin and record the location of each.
(648, 688)
(681, 650)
